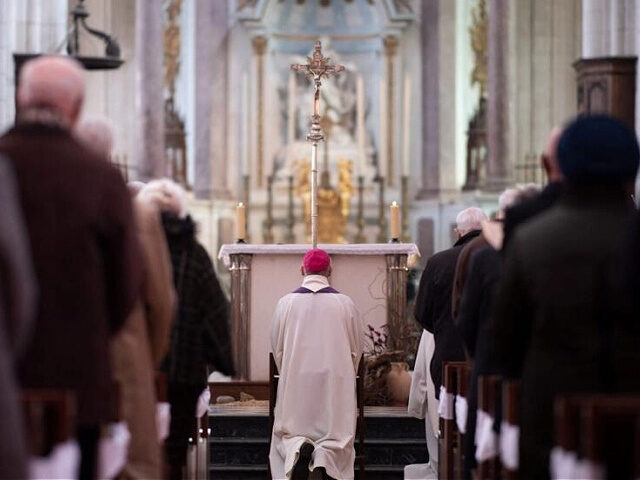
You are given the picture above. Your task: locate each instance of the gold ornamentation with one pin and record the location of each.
(479, 44)
(172, 46)
(333, 205)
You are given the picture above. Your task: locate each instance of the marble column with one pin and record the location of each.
(498, 128)
(430, 101)
(151, 159)
(212, 32)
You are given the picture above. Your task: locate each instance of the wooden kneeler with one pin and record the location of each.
(463, 374)
(274, 378)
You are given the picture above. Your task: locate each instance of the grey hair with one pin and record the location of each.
(470, 219)
(96, 133)
(508, 198)
(166, 195)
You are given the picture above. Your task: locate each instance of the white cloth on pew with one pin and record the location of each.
(486, 438)
(445, 407)
(509, 445)
(63, 462)
(462, 409)
(163, 419)
(420, 471)
(565, 465)
(203, 403)
(112, 450)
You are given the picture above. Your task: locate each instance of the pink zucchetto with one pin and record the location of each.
(316, 261)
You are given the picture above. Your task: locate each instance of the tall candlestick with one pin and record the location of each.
(246, 131)
(291, 126)
(241, 219)
(406, 126)
(360, 164)
(384, 118)
(394, 221)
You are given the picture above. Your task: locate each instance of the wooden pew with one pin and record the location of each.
(49, 418)
(448, 445)
(608, 432)
(510, 415)
(463, 375)
(274, 378)
(489, 391)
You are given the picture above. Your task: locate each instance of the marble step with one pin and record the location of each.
(255, 451)
(260, 473)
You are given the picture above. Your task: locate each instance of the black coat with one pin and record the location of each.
(433, 307)
(562, 313)
(525, 210)
(200, 334)
(473, 324)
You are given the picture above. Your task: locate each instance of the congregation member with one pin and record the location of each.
(478, 271)
(317, 341)
(138, 349)
(17, 302)
(200, 336)
(505, 200)
(563, 317)
(529, 208)
(433, 305)
(81, 230)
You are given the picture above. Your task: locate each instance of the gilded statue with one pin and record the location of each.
(479, 44)
(171, 42)
(333, 204)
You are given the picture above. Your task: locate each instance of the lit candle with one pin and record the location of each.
(361, 163)
(394, 220)
(384, 119)
(246, 135)
(291, 126)
(406, 126)
(241, 221)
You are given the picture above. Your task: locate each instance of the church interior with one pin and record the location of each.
(367, 127)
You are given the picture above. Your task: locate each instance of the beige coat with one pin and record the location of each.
(138, 349)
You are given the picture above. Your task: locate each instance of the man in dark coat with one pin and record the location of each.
(80, 224)
(527, 209)
(200, 335)
(562, 311)
(433, 305)
(17, 302)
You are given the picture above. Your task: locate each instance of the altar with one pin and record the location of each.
(373, 275)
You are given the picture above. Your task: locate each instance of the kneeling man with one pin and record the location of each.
(317, 340)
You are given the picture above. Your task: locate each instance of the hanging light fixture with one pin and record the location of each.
(79, 14)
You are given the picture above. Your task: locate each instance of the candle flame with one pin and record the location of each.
(241, 204)
(394, 203)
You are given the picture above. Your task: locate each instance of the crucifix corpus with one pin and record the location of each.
(317, 68)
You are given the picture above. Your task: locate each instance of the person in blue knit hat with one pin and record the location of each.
(563, 318)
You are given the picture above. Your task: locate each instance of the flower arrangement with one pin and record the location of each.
(377, 365)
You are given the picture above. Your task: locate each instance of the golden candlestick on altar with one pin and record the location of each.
(317, 69)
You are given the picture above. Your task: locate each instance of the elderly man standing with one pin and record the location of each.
(563, 317)
(317, 340)
(81, 229)
(433, 305)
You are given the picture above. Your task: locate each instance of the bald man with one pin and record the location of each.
(527, 209)
(433, 304)
(80, 225)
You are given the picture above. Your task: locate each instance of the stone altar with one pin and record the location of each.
(373, 275)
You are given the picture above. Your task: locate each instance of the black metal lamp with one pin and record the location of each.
(111, 59)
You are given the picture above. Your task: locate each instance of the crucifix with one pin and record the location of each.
(317, 68)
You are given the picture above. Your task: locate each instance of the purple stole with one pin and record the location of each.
(322, 290)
